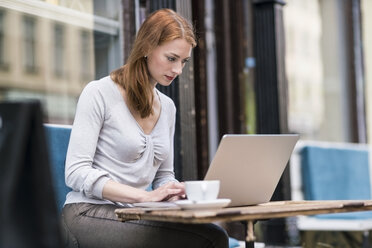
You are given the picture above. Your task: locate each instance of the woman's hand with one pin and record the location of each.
(171, 191)
(117, 192)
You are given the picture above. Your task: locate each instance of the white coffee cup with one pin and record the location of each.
(202, 190)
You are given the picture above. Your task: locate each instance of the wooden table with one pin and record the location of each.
(246, 214)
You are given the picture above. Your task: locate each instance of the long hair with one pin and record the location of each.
(161, 26)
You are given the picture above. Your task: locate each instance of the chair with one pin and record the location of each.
(28, 212)
(333, 171)
(58, 137)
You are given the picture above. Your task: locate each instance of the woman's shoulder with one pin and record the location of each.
(166, 101)
(99, 84)
(103, 86)
(101, 92)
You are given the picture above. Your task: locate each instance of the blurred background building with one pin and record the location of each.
(50, 49)
(327, 68)
(294, 66)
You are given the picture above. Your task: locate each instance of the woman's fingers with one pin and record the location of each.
(176, 185)
(173, 191)
(167, 191)
(173, 198)
(179, 185)
(176, 197)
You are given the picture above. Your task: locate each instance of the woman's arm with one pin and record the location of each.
(80, 175)
(117, 192)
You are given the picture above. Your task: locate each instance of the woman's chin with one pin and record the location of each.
(167, 83)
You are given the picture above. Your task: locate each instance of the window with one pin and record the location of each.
(320, 57)
(367, 46)
(51, 47)
(59, 61)
(29, 44)
(86, 55)
(2, 39)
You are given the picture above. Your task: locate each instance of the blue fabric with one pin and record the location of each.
(335, 173)
(149, 188)
(347, 216)
(233, 242)
(57, 140)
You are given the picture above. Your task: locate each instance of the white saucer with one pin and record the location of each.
(188, 204)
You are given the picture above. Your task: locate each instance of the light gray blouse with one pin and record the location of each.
(107, 143)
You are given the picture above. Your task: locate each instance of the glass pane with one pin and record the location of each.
(29, 44)
(59, 43)
(2, 55)
(49, 50)
(304, 67)
(366, 9)
(317, 58)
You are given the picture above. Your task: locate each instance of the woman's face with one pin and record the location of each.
(166, 62)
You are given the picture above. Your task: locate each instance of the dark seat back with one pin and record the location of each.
(28, 210)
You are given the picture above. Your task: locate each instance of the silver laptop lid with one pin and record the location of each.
(250, 166)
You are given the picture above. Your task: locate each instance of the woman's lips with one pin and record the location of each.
(169, 78)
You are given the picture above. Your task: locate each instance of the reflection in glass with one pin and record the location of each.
(86, 55)
(59, 50)
(2, 43)
(49, 50)
(29, 44)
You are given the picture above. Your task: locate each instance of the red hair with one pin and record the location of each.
(161, 26)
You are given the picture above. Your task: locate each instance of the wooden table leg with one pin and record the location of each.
(250, 238)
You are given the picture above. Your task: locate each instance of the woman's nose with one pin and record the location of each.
(177, 68)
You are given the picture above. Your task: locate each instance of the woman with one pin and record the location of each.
(122, 141)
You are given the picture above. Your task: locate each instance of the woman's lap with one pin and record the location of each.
(97, 226)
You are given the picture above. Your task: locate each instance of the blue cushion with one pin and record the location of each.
(347, 216)
(58, 138)
(335, 173)
(330, 173)
(233, 242)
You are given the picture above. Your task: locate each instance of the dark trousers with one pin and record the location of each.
(91, 225)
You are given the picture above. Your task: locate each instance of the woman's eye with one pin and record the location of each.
(185, 61)
(171, 59)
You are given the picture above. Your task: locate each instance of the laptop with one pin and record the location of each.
(249, 166)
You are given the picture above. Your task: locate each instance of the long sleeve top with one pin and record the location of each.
(107, 143)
